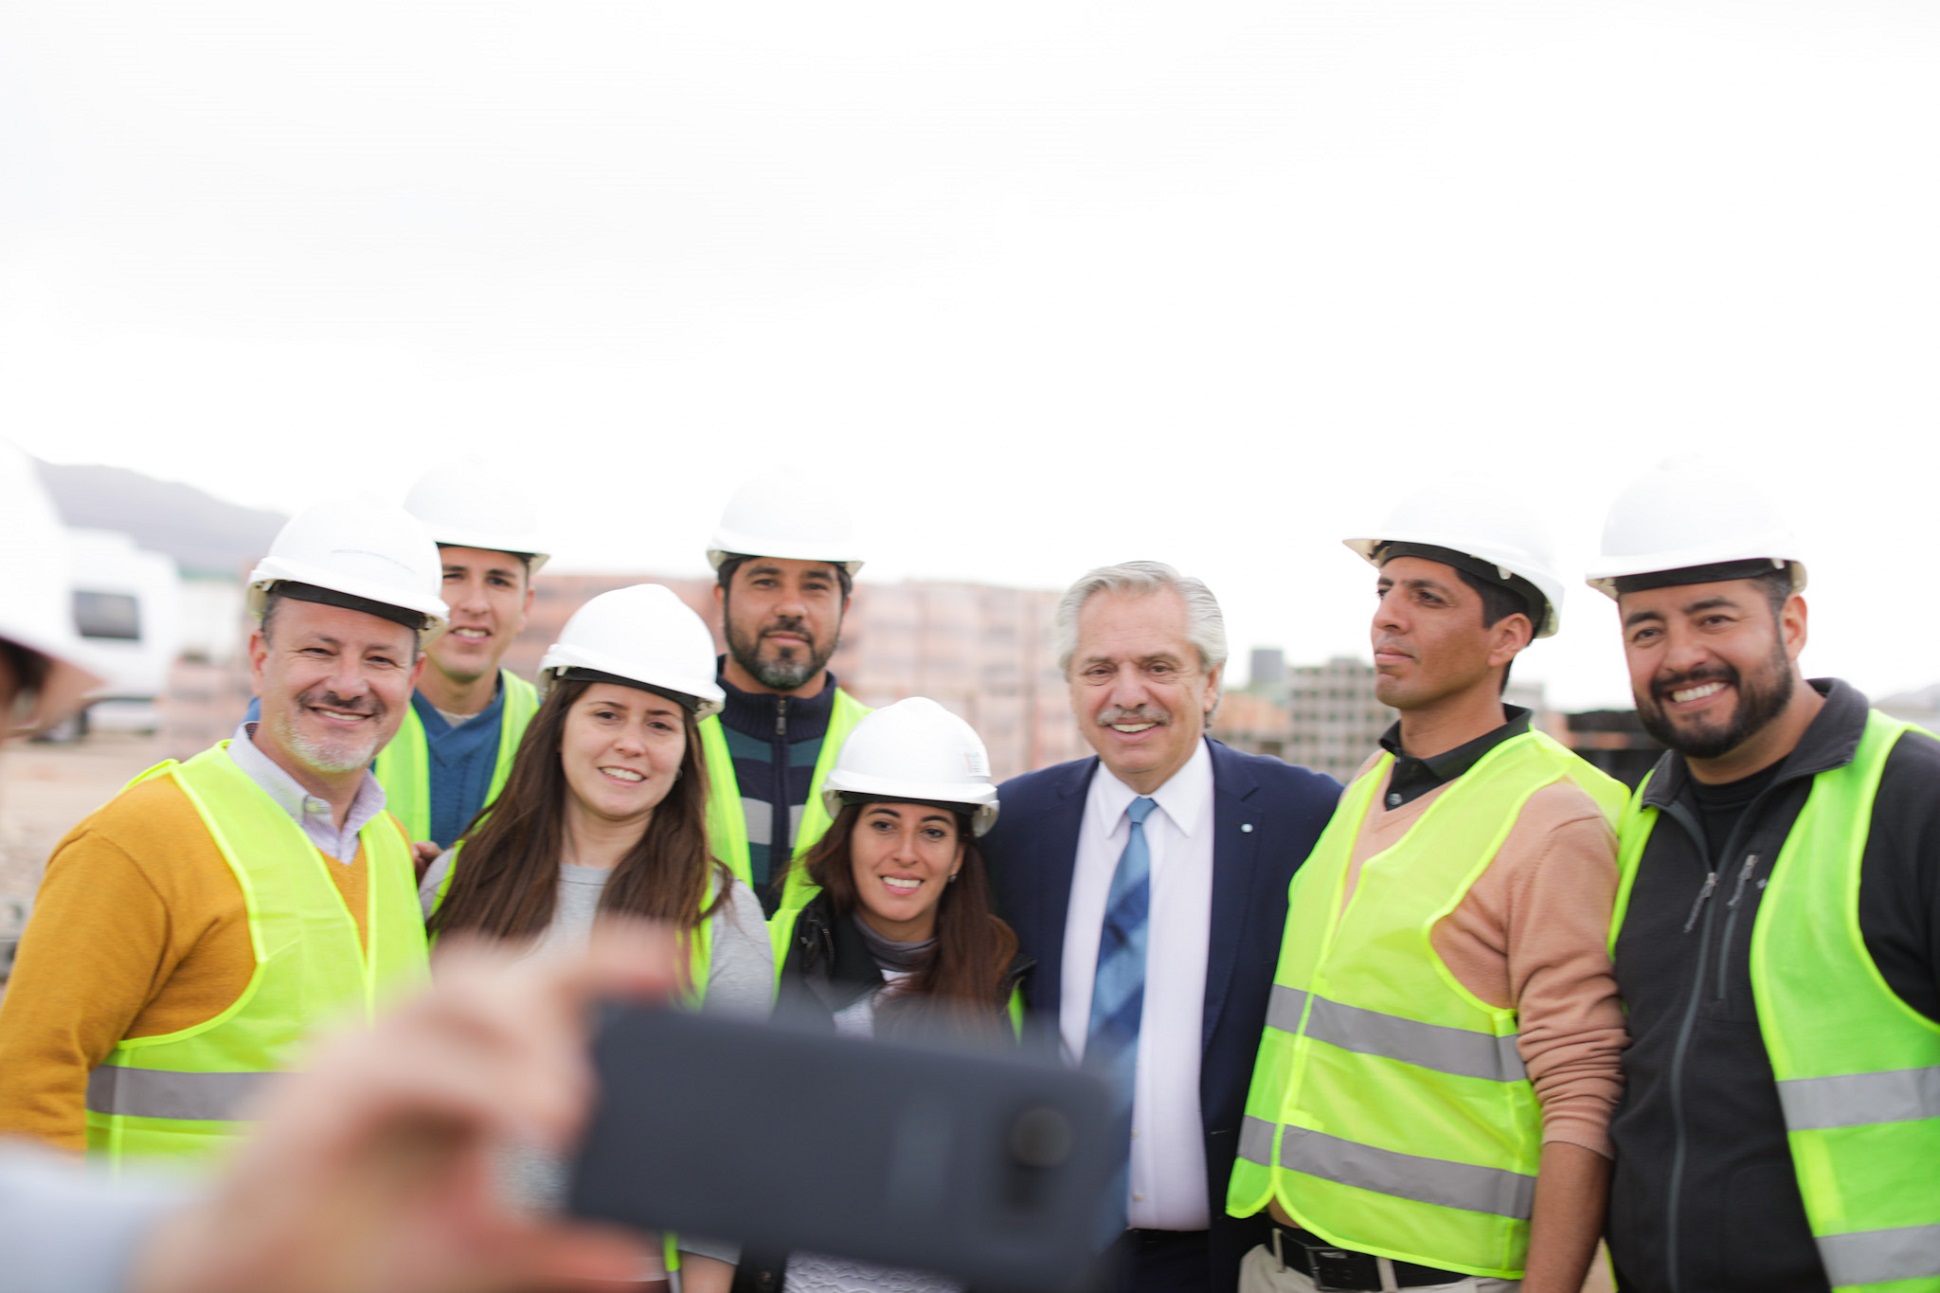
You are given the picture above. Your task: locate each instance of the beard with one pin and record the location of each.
(783, 668)
(1761, 699)
(338, 752)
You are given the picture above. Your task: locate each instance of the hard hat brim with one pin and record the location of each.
(71, 678)
(1545, 581)
(980, 802)
(707, 697)
(276, 570)
(730, 543)
(1605, 577)
(446, 537)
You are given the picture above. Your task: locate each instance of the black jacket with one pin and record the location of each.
(1705, 1197)
(826, 967)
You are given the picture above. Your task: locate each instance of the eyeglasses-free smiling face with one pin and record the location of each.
(620, 751)
(1138, 688)
(333, 682)
(489, 596)
(901, 857)
(1711, 666)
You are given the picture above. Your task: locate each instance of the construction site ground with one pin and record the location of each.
(45, 788)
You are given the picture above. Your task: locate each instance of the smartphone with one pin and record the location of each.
(984, 1168)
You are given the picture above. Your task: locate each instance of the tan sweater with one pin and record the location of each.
(1532, 933)
(139, 929)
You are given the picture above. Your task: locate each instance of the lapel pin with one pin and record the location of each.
(1246, 828)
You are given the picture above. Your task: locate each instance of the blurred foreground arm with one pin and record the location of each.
(372, 1170)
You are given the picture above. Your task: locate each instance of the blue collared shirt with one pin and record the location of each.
(462, 760)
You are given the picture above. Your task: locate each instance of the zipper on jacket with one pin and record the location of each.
(1680, 1052)
(1731, 922)
(1680, 1151)
(779, 852)
(1704, 895)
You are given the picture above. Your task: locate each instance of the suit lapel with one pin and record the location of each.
(1236, 840)
(1057, 861)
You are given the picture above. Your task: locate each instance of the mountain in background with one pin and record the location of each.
(205, 535)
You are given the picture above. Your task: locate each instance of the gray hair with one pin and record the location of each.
(1205, 626)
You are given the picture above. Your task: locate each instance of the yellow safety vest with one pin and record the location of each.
(1858, 1069)
(404, 766)
(1389, 1110)
(179, 1093)
(727, 823)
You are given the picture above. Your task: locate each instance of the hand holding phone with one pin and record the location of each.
(983, 1168)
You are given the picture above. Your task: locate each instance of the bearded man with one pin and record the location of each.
(785, 566)
(1777, 935)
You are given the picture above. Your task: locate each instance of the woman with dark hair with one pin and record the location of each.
(605, 812)
(901, 936)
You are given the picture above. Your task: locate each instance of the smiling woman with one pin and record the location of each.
(901, 936)
(604, 812)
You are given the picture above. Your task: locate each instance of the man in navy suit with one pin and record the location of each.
(1219, 835)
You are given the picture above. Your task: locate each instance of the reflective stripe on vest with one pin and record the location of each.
(727, 822)
(1389, 1110)
(156, 1093)
(180, 1093)
(404, 765)
(1369, 1032)
(1385, 1171)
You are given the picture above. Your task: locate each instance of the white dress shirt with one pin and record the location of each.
(315, 815)
(1168, 1134)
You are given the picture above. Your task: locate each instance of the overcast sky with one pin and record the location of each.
(1039, 286)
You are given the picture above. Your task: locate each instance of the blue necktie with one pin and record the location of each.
(1118, 994)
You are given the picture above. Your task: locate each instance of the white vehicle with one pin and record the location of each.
(127, 609)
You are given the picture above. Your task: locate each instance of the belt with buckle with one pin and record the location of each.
(1336, 1270)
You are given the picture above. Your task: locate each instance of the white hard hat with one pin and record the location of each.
(363, 550)
(466, 504)
(915, 751)
(1504, 540)
(643, 636)
(784, 516)
(1693, 515)
(36, 600)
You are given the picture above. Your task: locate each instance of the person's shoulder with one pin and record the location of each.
(1053, 782)
(150, 809)
(1909, 783)
(1915, 755)
(1275, 774)
(1562, 802)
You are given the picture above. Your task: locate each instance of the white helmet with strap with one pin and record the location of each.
(37, 608)
(642, 636)
(914, 751)
(358, 553)
(466, 504)
(783, 516)
(1503, 544)
(1675, 525)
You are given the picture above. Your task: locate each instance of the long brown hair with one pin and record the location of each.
(963, 976)
(505, 881)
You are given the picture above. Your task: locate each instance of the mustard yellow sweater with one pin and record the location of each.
(139, 929)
